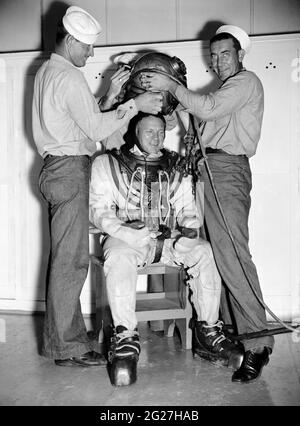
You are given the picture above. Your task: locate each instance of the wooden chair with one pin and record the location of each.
(172, 305)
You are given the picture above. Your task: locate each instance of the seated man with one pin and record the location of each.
(146, 210)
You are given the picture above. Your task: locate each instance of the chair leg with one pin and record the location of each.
(169, 327)
(104, 320)
(185, 332)
(183, 328)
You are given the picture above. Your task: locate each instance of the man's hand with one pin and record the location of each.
(117, 81)
(158, 82)
(149, 102)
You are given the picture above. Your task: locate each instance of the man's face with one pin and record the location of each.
(225, 60)
(79, 52)
(150, 132)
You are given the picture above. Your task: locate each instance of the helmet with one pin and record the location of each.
(156, 62)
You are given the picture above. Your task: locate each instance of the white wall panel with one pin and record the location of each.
(275, 206)
(34, 261)
(272, 64)
(270, 220)
(7, 264)
(294, 62)
(7, 186)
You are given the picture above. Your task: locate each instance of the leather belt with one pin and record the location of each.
(165, 233)
(52, 156)
(209, 150)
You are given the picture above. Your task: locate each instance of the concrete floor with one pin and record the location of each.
(167, 375)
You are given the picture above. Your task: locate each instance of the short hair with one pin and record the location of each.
(130, 136)
(141, 115)
(226, 36)
(61, 33)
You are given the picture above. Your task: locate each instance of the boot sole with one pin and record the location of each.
(234, 362)
(78, 364)
(211, 358)
(246, 382)
(123, 372)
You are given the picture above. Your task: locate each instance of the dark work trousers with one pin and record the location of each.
(64, 183)
(233, 182)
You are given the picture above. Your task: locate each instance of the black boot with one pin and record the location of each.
(123, 356)
(209, 342)
(252, 366)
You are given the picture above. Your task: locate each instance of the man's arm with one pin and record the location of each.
(228, 98)
(103, 204)
(97, 125)
(117, 81)
(109, 101)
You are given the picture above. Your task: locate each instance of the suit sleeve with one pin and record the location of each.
(184, 204)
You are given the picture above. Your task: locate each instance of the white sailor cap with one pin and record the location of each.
(81, 25)
(238, 33)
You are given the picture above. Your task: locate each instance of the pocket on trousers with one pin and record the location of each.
(58, 190)
(41, 182)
